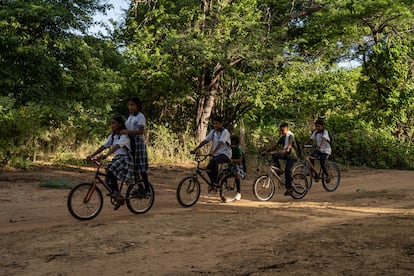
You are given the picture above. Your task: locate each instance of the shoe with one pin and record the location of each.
(316, 178)
(212, 189)
(119, 204)
(288, 192)
(238, 196)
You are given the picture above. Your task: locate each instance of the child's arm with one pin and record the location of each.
(112, 150)
(101, 148)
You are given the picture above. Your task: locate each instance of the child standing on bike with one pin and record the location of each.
(236, 165)
(288, 153)
(121, 166)
(135, 128)
(323, 147)
(220, 150)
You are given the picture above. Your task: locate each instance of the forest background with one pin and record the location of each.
(257, 63)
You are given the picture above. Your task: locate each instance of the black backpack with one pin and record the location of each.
(298, 148)
(331, 138)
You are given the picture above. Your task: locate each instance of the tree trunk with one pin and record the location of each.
(208, 86)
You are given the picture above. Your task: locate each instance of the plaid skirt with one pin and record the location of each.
(141, 156)
(234, 169)
(122, 166)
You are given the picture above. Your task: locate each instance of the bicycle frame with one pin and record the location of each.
(97, 179)
(199, 170)
(271, 170)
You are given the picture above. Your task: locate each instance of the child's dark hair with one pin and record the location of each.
(284, 125)
(235, 140)
(320, 122)
(218, 119)
(120, 120)
(136, 101)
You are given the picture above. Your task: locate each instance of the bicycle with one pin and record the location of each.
(264, 186)
(85, 200)
(189, 188)
(330, 182)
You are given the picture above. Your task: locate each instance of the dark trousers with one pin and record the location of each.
(322, 159)
(112, 181)
(288, 168)
(212, 167)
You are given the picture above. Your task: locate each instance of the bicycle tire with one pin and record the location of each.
(305, 170)
(300, 186)
(264, 188)
(137, 200)
(77, 205)
(228, 188)
(334, 177)
(188, 191)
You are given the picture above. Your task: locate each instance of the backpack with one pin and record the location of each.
(331, 138)
(298, 148)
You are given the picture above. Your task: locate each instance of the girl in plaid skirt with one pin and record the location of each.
(122, 166)
(135, 128)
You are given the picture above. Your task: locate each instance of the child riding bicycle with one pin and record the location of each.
(323, 148)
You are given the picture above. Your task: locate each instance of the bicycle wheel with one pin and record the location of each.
(84, 201)
(137, 200)
(331, 182)
(188, 191)
(305, 170)
(299, 186)
(228, 188)
(264, 188)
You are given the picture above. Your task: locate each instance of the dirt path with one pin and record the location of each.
(364, 228)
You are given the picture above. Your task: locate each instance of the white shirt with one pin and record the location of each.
(216, 137)
(317, 136)
(123, 141)
(136, 122)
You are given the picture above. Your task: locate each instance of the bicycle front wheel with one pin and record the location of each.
(85, 201)
(138, 200)
(188, 191)
(264, 188)
(299, 186)
(228, 188)
(331, 182)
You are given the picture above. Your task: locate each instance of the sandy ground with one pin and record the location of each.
(366, 227)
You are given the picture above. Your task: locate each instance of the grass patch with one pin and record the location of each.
(61, 183)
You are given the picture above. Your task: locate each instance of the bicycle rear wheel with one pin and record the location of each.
(264, 188)
(302, 168)
(299, 186)
(228, 188)
(85, 201)
(331, 182)
(188, 191)
(137, 200)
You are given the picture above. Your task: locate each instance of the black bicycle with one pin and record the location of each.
(85, 200)
(189, 189)
(330, 182)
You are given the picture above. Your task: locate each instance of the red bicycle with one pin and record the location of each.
(85, 200)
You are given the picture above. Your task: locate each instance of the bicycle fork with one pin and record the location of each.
(89, 193)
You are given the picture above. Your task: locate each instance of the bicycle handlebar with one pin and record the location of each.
(94, 160)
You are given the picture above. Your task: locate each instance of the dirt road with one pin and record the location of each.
(366, 227)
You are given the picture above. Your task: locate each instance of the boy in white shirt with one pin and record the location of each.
(220, 150)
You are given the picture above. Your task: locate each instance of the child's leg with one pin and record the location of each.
(237, 179)
(146, 181)
(111, 181)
